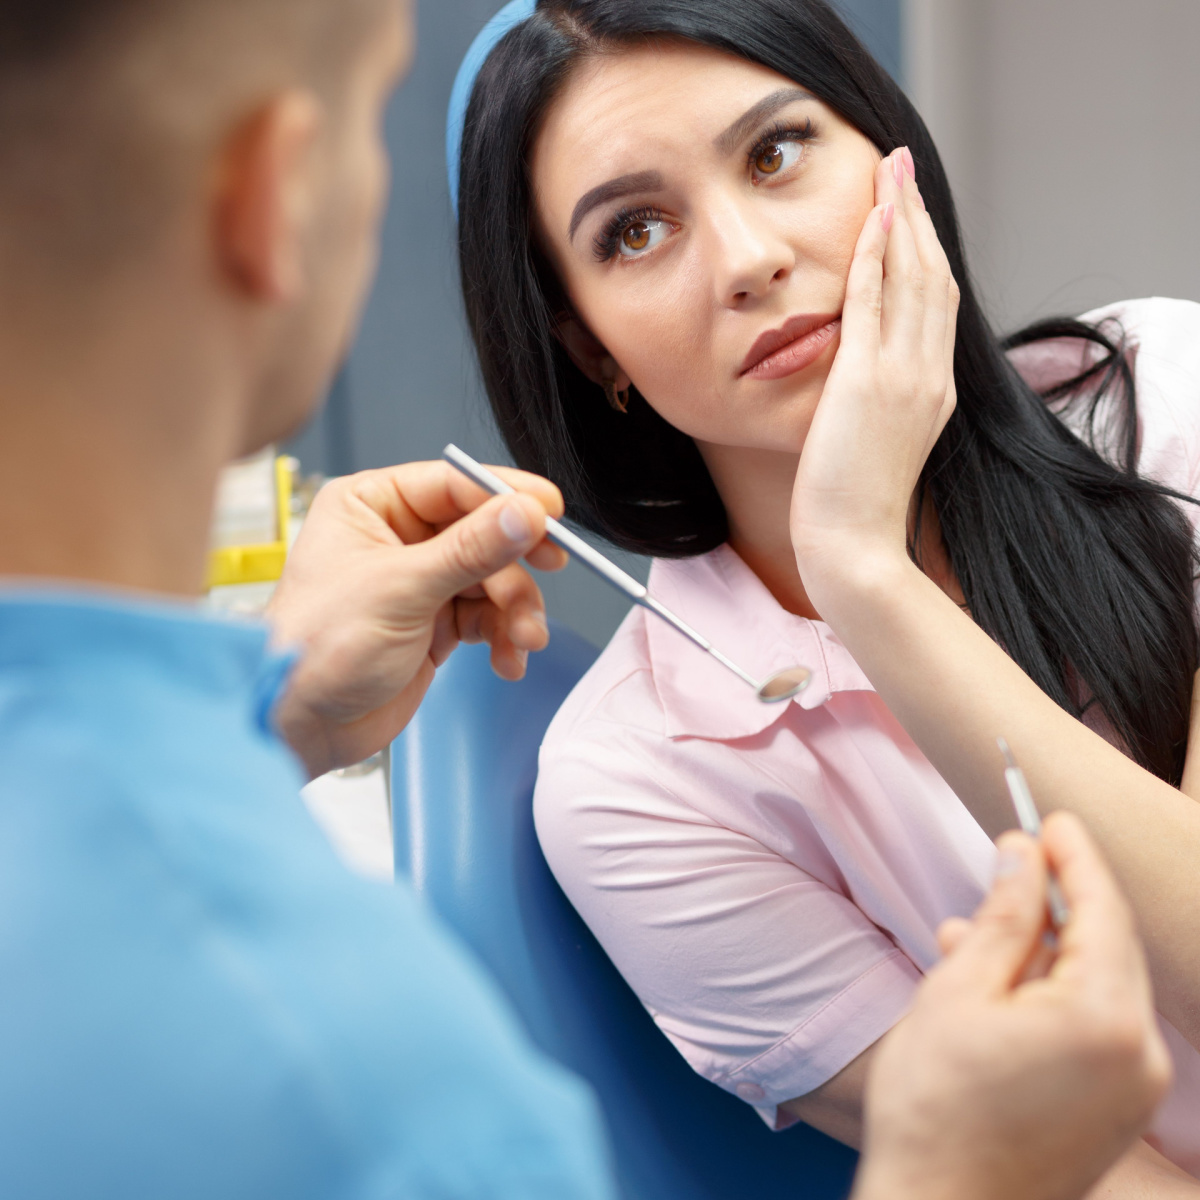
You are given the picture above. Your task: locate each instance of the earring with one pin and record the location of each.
(618, 401)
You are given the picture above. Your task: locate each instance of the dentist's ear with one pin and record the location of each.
(266, 198)
(589, 355)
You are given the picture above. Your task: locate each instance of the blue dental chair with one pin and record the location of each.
(462, 785)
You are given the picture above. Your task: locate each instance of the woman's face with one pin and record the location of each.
(702, 213)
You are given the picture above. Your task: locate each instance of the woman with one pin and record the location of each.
(660, 206)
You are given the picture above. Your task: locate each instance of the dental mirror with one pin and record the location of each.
(775, 689)
(783, 685)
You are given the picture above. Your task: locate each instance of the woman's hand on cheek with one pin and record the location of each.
(888, 397)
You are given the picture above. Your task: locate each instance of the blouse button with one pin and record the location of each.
(750, 1092)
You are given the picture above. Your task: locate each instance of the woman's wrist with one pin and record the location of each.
(845, 575)
(876, 1181)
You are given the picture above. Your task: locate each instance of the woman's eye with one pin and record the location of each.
(776, 158)
(640, 236)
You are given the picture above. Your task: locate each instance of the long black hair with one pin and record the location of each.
(1080, 569)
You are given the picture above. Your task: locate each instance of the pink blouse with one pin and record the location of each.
(769, 879)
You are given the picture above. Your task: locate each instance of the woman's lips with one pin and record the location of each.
(798, 344)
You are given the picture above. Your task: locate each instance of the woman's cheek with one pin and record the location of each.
(672, 367)
(693, 406)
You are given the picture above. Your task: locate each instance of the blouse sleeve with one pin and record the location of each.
(767, 980)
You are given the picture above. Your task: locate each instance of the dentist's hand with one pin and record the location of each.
(1010, 1080)
(392, 570)
(888, 397)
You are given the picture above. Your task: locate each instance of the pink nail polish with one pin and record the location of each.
(898, 171)
(910, 166)
(889, 217)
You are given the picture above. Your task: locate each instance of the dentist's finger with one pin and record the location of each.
(950, 934)
(481, 621)
(415, 501)
(473, 549)
(515, 594)
(438, 494)
(445, 635)
(993, 953)
(546, 556)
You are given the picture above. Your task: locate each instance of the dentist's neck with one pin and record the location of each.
(115, 423)
(756, 486)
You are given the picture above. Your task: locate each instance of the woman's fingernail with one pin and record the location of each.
(888, 218)
(514, 524)
(898, 170)
(909, 165)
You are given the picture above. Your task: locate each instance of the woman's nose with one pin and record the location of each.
(749, 257)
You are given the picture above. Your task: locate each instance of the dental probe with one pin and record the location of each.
(1031, 822)
(783, 685)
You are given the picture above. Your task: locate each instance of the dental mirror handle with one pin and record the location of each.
(556, 532)
(574, 545)
(1030, 821)
(649, 603)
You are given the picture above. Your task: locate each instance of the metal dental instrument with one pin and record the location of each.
(783, 685)
(1031, 822)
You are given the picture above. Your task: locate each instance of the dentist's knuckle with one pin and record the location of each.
(472, 551)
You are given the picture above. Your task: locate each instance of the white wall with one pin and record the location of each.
(1071, 131)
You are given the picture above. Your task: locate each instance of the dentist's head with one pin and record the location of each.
(213, 160)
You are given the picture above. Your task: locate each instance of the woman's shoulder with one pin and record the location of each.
(601, 762)
(1163, 339)
(1162, 343)
(1153, 318)
(618, 690)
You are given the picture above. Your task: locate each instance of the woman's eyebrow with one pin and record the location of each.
(749, 121)
(642, 181)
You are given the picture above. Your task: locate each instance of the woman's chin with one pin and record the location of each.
(771, 417)
(782, 432)
(785, 416)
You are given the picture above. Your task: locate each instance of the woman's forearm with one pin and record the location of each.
(1142, 1173)
(1191, 767)
(956, 691)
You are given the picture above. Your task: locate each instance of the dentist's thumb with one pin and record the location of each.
(476, 547)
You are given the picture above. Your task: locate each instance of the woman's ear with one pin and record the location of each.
(589, 355)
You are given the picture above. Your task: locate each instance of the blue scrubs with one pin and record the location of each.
(196, 999)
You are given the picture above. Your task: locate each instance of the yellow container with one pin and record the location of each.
(233, 565)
